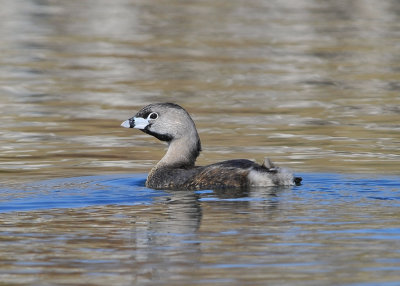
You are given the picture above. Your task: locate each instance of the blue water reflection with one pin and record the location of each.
(78, 192)
(319, 189)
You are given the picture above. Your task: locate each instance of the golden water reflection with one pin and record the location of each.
(314, 90)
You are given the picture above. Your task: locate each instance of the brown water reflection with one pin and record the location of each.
(314, 85)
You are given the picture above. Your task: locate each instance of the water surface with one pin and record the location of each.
(314, 85)
(336, 229)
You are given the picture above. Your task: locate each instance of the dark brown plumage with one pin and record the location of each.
(176, 170)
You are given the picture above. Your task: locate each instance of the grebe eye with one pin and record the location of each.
(153, 115)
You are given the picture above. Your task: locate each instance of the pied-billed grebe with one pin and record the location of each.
(176, 170)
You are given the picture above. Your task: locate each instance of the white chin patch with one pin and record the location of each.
(140, 123)
(126, 124)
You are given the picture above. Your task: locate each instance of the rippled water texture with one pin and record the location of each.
(111, 230)
(314, 85)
